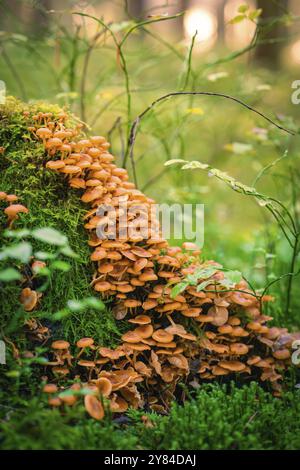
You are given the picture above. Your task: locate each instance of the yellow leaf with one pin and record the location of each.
(198, 111)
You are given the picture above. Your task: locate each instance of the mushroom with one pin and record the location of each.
(140, 320)
(55, 164)
(118, 404)
(44, 133)
(282, 354)
(94, 407)
(50, 388)
(239, 349)
(162, 336)
(84, 343)
(13, 211)
(104, 386)
(233, 366)
(29, 299)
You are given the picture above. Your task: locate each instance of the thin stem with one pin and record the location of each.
(135, 125)
(291, 278)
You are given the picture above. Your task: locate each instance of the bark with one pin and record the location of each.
(269, 53)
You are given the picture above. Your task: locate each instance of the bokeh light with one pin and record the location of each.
(201, 20)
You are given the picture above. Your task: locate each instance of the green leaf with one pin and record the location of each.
(21, 252)
(237, 19)
(255, 14)
(174, 161)
(50, 235)
(203, 284)
(180, 287)
(17, 233)
(95, 303)
(44, 255)
(202, 273)
(243, 8)
(231, 278)
(9, 274)
(57, 316)
(67, 251)
(76, 305)
(60, 266)
(195, 165)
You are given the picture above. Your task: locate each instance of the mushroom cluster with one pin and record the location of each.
(193, 336)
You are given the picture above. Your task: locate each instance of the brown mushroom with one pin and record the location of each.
(94, 407)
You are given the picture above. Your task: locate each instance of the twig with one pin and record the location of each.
(136, 122)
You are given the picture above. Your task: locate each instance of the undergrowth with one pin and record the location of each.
(250, 419)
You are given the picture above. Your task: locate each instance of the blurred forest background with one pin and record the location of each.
(108, 60)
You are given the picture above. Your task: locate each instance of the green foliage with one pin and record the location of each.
(216, 418)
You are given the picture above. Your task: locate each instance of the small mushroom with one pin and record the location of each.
(94, 407)
(29, 299)
(162, 336)
(13, 211)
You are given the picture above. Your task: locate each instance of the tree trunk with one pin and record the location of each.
(269, 53)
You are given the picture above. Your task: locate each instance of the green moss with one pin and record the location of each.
(51, 203)
(217, 418)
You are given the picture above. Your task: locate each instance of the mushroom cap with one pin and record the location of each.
(144, 331)
(118, 405)
(98, 254)
(111, 353)
(55, 164)
(14, 209)
(104, 386)
(131, 337)
(282, 354)
(253, 326)
(149, 304)
(43, 132)
(60, 344)
(140, 320)
(233, 366)
(71, 169)
(3, 195)
(77, 183)
(102, 286)
(54, 401)
(28, 299)
(85, 363)
(239, 348)
(132, 303)
(162, 336)
(224, 329)
(50, 388)
(253, 360)
(217, 370)
(85, 342)
(53, 142)
(94, 407)
(219, 314)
